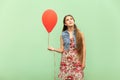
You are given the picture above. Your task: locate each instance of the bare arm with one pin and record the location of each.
(60, 50)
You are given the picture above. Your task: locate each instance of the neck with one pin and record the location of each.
(70, 28)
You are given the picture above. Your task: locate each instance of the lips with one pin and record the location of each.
(70, 23)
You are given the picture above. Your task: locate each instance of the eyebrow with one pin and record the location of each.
(70, 18)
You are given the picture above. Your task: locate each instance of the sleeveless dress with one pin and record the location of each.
(70, 66)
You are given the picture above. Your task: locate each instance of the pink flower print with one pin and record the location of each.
(77, 64)
(65, 52)
(72, 45)
(63, 66)
(77, 67)
(75, 51)
(69, 58)
(69, 78)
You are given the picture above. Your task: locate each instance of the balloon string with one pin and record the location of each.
(54, 59)
(48, 39)
(54, 67)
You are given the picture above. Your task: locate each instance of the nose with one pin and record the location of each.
(70, 21)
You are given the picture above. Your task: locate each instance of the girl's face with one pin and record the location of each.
(69, 21)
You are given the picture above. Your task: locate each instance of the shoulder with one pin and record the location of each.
(64, 33)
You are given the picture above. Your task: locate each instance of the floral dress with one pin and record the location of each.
(70, 66)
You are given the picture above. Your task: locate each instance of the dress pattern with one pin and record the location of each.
(70, 66)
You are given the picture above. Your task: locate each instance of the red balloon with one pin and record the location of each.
(49, 19)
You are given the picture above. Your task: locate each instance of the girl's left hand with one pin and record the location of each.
(83, 66)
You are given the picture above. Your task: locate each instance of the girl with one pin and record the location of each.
(72, 47)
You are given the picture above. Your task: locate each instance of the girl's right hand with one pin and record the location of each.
(51, 48)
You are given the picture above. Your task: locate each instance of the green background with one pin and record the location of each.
(24, 40)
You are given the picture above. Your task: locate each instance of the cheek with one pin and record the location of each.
(66, 23)
(73, 21)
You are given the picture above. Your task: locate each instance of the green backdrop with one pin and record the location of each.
(24, 40)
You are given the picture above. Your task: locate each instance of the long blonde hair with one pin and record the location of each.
(79, 41)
